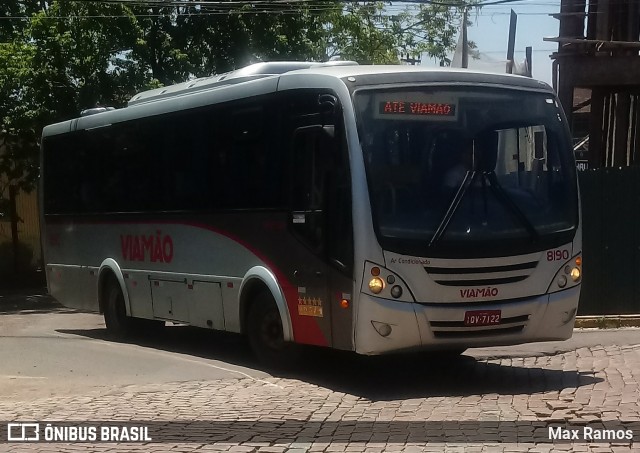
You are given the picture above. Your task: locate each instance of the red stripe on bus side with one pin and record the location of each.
(305, 328)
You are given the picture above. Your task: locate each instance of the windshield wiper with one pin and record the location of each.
(499, 193)
(453, 207)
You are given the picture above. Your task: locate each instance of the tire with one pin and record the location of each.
(147, 327)
(448, 354)
(119, 325)
(266, 336)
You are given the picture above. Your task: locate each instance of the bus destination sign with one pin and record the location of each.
(417, 108)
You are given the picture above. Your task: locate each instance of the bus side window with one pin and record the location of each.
(184, 151)
(309, 171)
(246, 167)
(64, 157)
(130, 184)
(339, 233)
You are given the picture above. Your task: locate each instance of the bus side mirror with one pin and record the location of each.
(329, 131)
(325, 132)
(327, 103)
(327, 107)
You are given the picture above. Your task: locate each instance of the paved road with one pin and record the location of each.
(202, 391)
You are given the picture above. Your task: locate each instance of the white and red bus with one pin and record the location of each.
(364, 208)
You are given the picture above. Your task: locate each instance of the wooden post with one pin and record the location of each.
(565, 90)
(592, 20)
(610, 126)
(633, 21)
(512, 41)
(465, 43)
(595, 128)
(13, 217)
(635, 135)
(603, 30)
(621, 154)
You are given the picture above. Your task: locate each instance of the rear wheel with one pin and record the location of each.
(119, 325)
(266, 335)
(115, 313)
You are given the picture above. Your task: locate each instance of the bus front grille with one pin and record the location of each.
(481, 275)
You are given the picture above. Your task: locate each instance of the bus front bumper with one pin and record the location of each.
(385, 325)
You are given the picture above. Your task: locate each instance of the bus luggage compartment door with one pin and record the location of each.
(170, 300)
(205, 305)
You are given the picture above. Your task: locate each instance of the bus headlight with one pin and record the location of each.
(575, 274)
(376, 285)
(380, 281)
(569, 275)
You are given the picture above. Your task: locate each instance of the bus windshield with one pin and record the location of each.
(472, 170)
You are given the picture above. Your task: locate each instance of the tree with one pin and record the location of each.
(78, 46)
(50, 68)
(378, 32)
(72, 55)
(65, 56)
(198, 40)
(15, 9)
(179, 42)
(18, 155)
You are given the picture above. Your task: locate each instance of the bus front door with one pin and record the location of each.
(308, 222)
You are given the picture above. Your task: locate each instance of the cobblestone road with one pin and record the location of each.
(339, 402)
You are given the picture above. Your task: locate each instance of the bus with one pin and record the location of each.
(373, 209)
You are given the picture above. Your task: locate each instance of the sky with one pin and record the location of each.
(489, 29)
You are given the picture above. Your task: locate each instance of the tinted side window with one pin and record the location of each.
(217, 157)
(182, 155)
(128, 179)
(64, 158)
(72, 174)
(246, 164)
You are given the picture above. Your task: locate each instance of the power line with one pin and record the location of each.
(451, 3)
(275, 4)
(243, 7)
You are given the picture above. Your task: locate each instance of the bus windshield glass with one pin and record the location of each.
(467, 169)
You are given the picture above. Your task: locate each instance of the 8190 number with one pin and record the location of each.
(557, 254)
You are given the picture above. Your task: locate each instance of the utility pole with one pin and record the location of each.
(465, 42)
(13, 218)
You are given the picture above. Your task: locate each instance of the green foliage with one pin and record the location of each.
(18, 129)
(361, 33)
(9, 28)
(79, 57)
(369, 33)
(8, 262)
(66, 55)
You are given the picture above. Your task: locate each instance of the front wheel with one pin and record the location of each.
(266, 335)
(448, 354)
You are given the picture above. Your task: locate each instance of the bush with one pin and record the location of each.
(25, 256)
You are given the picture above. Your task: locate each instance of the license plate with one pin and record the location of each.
(482, 317)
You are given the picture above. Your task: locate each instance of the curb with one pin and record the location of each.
(607, 321)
